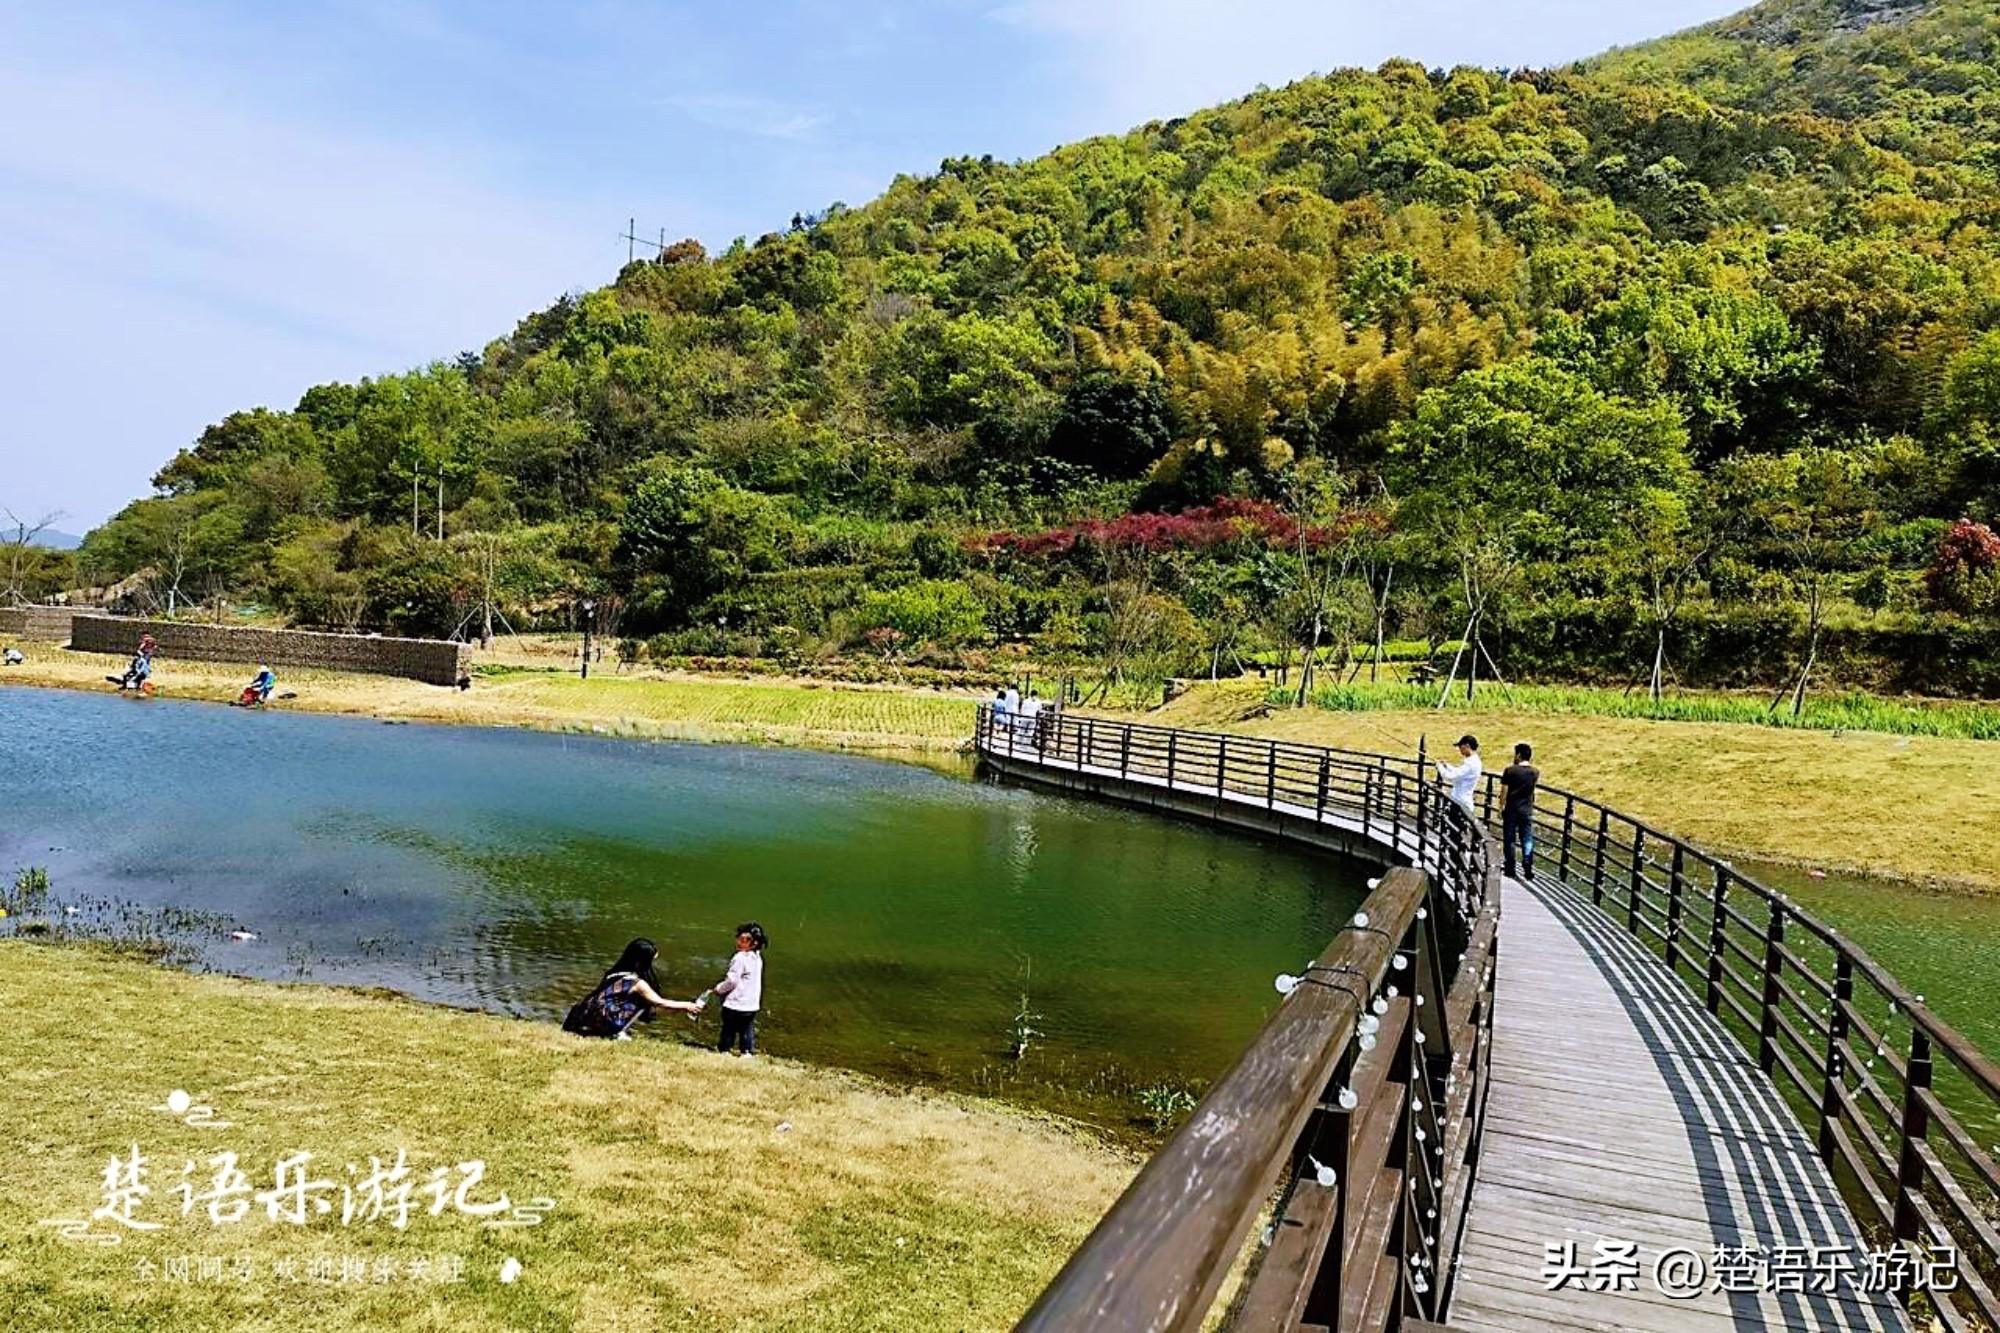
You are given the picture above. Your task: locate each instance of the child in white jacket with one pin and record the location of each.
(742, 990)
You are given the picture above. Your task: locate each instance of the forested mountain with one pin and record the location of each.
(1696, 341)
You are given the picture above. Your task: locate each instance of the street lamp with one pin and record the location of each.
(589, 619)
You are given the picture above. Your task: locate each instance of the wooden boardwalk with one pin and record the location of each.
(1620, 1113)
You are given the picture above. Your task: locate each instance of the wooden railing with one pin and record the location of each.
(1904, 1109)
(1354, 1115)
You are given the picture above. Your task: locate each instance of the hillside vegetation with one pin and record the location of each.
(1683, 363)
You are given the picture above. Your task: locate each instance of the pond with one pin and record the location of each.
(914, 914)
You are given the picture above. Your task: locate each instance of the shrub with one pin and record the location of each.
(1965, 574)
(940, 611)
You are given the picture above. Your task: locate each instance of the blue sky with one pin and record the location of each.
(212, 206)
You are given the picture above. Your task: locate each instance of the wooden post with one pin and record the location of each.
(1674, 911)
(1396, 813)
(1836, 1032)
(1319, 809)
(1638, 878)
(1271, 778)
(1333, 1145)
(1597, 871)
(1089, 743)
(1124, 751)
(1916, 1127)
(1716, 928)
(1423, 804)
(1774, 963)
(1172, 737)
(1569, 832)
(1221, 763)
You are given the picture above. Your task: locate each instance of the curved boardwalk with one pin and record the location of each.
(1620, 1114)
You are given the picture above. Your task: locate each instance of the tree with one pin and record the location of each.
(1811, 506)
(1527, 460)
(21, 534)
(1324, 548)
(1669, 538)
(687, 535)
(1968, 416)
(1115, 426)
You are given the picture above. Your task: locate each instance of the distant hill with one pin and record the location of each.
(1716, 284)
(58, 541)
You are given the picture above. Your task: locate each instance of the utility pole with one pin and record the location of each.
(633, 240)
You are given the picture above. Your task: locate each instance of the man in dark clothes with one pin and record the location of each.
(1517, 816)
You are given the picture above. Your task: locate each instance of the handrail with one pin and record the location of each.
(1361, 1099)
(1893, 1135)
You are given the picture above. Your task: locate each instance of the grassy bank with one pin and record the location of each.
(679, 1201)
(638, 704)
(1907, 807)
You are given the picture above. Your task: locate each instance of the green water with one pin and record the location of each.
(910, 910)
(1944, 947)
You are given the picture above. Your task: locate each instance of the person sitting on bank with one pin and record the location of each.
(1517, 816)
(258, 691)
(139, 675)
(1463, 775)
(628, 993)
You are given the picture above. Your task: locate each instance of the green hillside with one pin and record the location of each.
(1697, 342)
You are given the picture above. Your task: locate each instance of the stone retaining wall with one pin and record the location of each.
(46, 624)
(433, 661)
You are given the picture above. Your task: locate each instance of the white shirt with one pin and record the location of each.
(1463, 778)
(746, 978)
(1013, 701)
(1031, 708)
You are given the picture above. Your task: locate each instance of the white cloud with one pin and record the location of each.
(761, 116)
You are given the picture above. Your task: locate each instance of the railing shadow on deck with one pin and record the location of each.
(1807, 1003)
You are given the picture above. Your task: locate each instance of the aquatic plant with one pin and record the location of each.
(1021, 1031)
(29, 893)
(1165, 1104)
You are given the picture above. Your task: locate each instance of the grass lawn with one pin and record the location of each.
(1910, 807)
(679, 1202)
(639, 704)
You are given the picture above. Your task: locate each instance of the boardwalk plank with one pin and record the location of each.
(1623, 1111)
